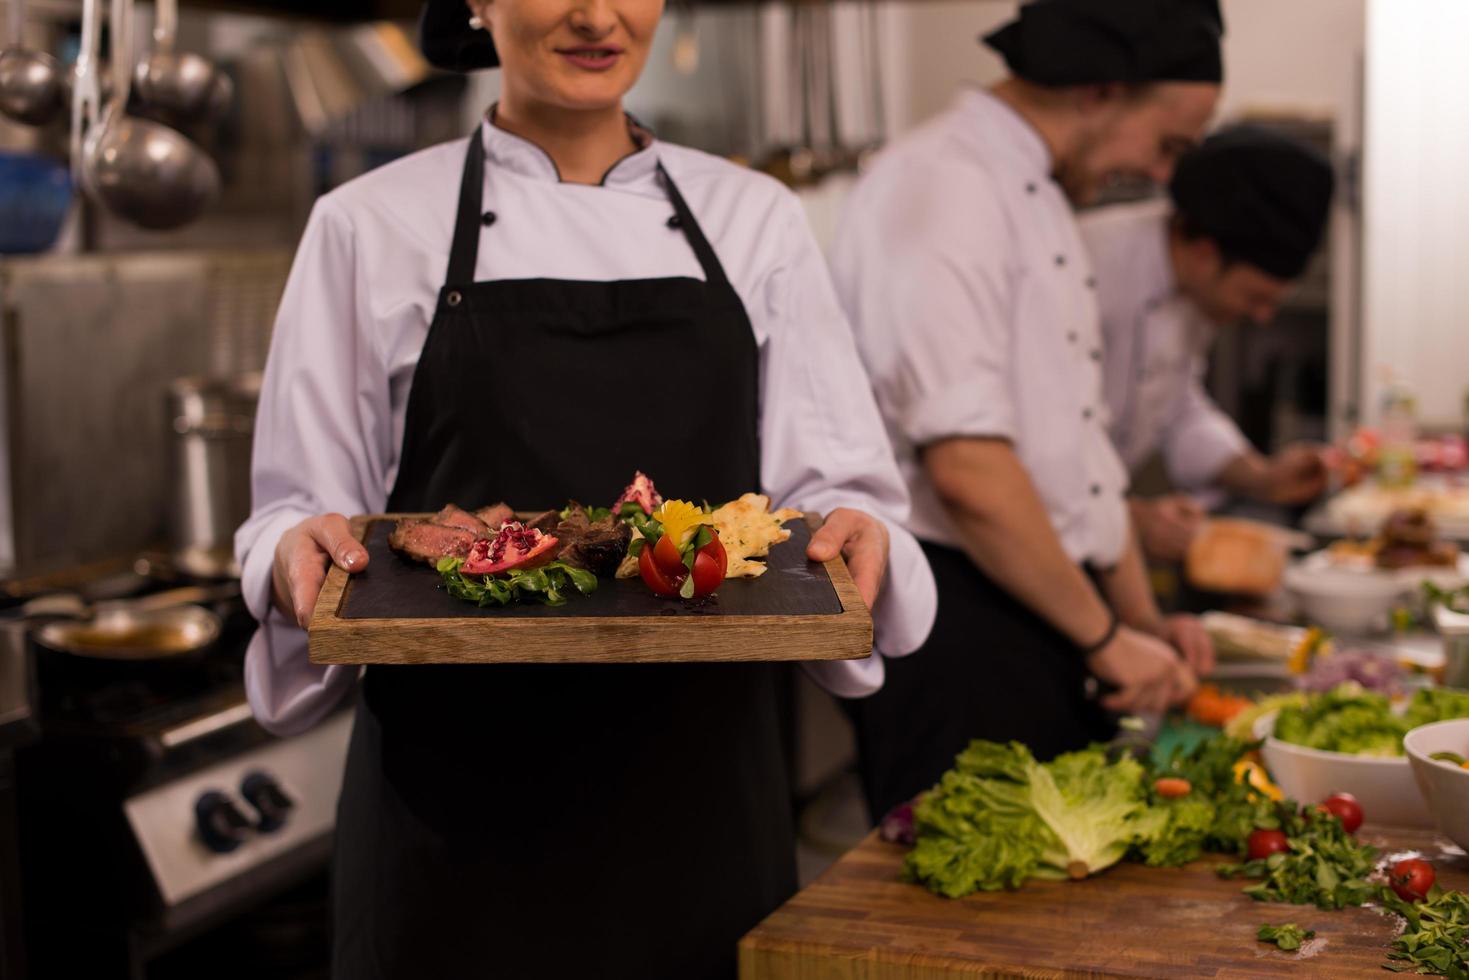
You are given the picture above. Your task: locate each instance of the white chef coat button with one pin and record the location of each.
(1096, 489)
(1091, 282)
(1096, 355)
(674, 221)
(1086, 413)
(454, 298)
(1071, 336)
(1060, 261)
(1030, 188)
(488, 218)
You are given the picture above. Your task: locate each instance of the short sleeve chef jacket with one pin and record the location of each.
(959, 262)
(1156, 344)
(364, 287)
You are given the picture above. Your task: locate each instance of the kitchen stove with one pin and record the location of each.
(153, 809)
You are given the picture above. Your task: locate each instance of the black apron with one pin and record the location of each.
(582, 821)
(990, 669)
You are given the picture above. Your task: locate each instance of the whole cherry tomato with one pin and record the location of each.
(1264, 843)
(1344, 807)
(1411, 879)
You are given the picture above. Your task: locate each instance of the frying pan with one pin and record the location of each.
(159, 627)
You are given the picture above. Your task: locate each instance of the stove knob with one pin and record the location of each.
(268, 799)
(222, 827)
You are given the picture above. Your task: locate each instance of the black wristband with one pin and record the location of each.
(1107, 637)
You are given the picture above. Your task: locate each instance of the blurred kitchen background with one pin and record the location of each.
(129, 362)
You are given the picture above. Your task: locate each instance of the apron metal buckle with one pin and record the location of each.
(454, 298)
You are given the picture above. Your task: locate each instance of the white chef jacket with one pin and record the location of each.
(1155, 344)
(960, 265)
(356, 312)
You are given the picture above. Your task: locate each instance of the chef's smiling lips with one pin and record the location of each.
(593, 57)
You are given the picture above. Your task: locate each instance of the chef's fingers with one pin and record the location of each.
(306, 573)
(860, 538)
(334, 535)
(1193, 643)
(1125, 701)
(1185, 683)
(1189, 509)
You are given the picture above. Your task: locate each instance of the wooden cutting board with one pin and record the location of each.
(397, 612)
(858, 921)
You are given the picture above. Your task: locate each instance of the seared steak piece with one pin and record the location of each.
(596, 547)
(455, 516)
(428, 542)
(495, 515)
(545, 522)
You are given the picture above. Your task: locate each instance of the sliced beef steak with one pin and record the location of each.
(545, 522)
(455, 516)
(495, 515)
(428, 542)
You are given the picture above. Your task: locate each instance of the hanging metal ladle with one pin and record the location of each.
(32, 83)
(143, 171)
(180, 87)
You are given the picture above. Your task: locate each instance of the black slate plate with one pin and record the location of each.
(392, 588)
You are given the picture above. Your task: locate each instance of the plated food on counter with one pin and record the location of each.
(1408, 539)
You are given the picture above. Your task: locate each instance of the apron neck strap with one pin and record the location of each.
(713, 270)
(464, 253)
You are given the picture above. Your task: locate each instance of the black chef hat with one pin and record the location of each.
(449, 42)
(1263, 198)
(1089, 42)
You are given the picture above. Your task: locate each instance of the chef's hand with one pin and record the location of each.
(1188, 637)
(1148, 674)
(301, 559)
(859, 538)
(1167, 525)
(1297, 474)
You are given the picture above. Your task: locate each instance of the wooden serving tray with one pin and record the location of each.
(397, 612)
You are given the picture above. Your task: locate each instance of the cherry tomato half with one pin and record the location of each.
(1411, 879)
(653, 577)
(670, 562)
(1344, 807)
(1264, 843)
(709, 567)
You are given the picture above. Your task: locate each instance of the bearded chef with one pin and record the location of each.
(558, 820)
(1244, 214)
(959, 261)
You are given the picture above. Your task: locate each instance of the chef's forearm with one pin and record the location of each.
(1006, 531)
(1247, 475)
(1127, 589)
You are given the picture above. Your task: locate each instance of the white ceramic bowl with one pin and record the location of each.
(1344, 600)
(1446, 787)
(1383, 785)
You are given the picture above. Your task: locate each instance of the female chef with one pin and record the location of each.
(529, 315)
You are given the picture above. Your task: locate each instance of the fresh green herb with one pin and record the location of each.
(1217, 815)
(1288, 936)
(1455, 600)
(550, 583)
(1436, 940)
(1349, 719)
(594, 514)
(999, 817)
(1324, 867)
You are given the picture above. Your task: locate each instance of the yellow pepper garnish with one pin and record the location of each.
(1313, 644)
(680, 519)
(1253, 775)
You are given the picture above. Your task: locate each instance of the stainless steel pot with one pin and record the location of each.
(213, 421)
